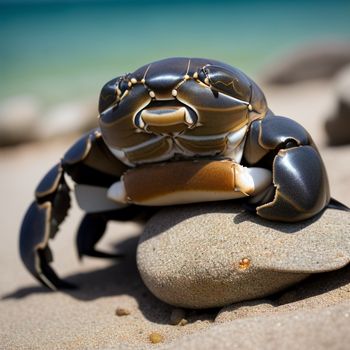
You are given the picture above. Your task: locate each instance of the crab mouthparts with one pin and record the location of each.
(165, 117)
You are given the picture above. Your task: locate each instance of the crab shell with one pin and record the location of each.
(184, 107)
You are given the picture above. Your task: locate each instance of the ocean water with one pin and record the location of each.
(60, 50)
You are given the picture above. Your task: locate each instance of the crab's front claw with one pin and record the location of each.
(34, 248)
(300, 185)
(41, 223)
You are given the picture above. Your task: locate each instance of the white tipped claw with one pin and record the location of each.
(117, 192)
(252, 180)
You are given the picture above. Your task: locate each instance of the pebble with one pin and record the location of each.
(177, 317)
(156, 338)
(122, 312)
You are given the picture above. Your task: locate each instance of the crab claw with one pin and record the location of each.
(41, 223)
(301, 188)
(301, 185)
(34, 250)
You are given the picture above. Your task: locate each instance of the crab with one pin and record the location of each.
(179, 130)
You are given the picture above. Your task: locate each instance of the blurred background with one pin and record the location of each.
(59, 50)
(55, 55)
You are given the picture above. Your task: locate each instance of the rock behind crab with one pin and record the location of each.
(211, 255)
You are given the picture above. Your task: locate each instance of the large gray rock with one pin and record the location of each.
(211, 255)
(319, 60)
(338, 124)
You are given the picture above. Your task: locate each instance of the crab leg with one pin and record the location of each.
(189, 182)
(89, 164)
(41, 223)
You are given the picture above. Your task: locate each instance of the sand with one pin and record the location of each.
(32, 317)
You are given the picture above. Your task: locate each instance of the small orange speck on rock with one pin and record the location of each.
(244, 263)
(156, 338)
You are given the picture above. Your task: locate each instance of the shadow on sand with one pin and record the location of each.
(119, 278)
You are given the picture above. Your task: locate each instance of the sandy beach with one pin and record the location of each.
(314, 315)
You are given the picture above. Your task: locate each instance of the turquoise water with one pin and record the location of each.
(61, 50)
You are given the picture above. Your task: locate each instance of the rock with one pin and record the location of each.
(342, 84)
(177, 317)
(65, 118)
(22, 119)
(19, 116)
(317, 329)
(321, 290)
(244, 309)
(338, 124)
(311, 61)
(216, 254)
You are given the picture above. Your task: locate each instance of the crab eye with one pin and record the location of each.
(123, 86)
(109, 95)
(203, 76)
